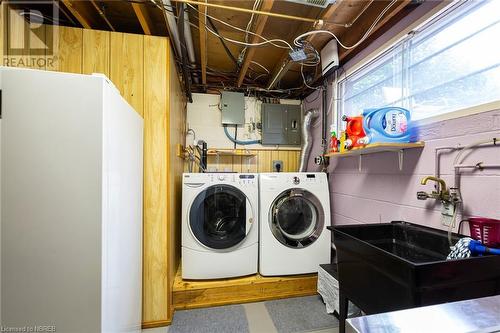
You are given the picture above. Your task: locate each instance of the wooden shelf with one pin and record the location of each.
(237, 152)
(378, 148)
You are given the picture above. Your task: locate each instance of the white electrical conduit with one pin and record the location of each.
(188, 37)
(172, 24)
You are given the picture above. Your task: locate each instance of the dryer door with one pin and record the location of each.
(296, 218)
(220, 216)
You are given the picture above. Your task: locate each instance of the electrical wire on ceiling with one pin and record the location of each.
(228, 52)
(304, 79)
(247, 30)
(298, 43)
(309, 49)
(261, 66)
(312, 55)
(266, 41)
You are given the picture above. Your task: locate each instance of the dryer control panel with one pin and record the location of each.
(306, 178)
(279, 180)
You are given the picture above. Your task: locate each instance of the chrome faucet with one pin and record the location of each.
(441, 193)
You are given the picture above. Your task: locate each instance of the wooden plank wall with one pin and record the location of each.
(177, 122)
(143, 70)
(261, 162)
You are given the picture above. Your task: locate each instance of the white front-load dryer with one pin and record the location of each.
(219, 225)
(294, 214)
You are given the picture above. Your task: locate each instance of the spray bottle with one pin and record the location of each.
(334, 142)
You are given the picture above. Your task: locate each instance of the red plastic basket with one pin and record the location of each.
(485, 230)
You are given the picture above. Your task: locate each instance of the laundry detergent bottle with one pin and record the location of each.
(389, 124)
(354, 130)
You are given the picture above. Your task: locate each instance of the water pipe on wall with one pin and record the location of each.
(239, 142)
(457, 162)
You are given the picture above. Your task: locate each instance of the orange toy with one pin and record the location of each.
(354, 131)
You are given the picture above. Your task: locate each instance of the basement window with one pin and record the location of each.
(451, 63)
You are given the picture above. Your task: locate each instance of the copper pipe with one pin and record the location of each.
(251, 11)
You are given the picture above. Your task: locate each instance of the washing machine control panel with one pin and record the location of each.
(236, 179)
(247, 179)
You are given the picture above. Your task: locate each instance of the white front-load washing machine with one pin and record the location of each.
(294, 214)
(220, 231)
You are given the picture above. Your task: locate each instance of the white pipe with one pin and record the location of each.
(479, 165)
(472, 145)
(172, 25)
(458, 161)
(188, 37)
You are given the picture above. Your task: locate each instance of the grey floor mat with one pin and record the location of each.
(300, 314)
(221, 319)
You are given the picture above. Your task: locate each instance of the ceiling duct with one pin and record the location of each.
(315, 3)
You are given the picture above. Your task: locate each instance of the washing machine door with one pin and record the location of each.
(221, 216)
(296, 218)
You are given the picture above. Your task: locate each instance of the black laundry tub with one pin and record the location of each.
(399, 265)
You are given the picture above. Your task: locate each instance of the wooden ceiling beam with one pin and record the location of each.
(285, 62)
(267, 5)
(354, 34)
(102, 14)
(203, 43)
(63, 10)
(80, 18)
(143, 17)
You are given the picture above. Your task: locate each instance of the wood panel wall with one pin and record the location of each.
(177, 121)
(143, 70)
(261, 162)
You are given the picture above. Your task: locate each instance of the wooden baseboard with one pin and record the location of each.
(190, 294)
(159, 323)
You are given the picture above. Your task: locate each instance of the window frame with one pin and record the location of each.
(427, 21)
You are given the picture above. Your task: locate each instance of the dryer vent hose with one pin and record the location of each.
(307, 140)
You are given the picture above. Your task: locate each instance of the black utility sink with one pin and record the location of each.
(399, 265)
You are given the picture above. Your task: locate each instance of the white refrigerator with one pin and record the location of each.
(71, 204)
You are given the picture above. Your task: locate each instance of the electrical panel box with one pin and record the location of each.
(281, 124)
(233, 108)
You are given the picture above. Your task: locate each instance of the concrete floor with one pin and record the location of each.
(259, 321)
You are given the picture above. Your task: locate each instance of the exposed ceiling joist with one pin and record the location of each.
(63, 10)
(203, 42)
(82, 20)
(102, 14)
(143, 17)
(259, 27)
(285, 62)
(357, 32)
(250, 11)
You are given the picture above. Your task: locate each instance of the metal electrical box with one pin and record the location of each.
(233, 108)
(281, 124)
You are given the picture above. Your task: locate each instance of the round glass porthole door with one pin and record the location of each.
(218, 216)
(296, 218)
